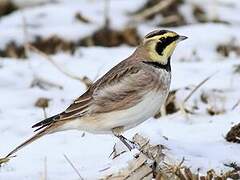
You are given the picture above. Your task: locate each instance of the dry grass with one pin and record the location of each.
(73, 166)
(233, 134)
(150, 163)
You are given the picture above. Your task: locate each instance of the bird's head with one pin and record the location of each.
(160, 44)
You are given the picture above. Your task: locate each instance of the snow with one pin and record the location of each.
(199, 139)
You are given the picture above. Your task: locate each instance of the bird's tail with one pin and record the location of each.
(41, 133)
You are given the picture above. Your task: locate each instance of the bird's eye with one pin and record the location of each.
(162, 38)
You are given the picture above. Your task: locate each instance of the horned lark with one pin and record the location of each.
(130, 93)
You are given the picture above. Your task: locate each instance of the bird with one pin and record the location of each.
(127, 95)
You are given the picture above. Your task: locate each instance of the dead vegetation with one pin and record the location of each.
(42, 102)
(169, 13)
(215, 101)
(169, 10)
(236, 69)
(171, 105)
(181, 172)
(85, 80)
(225, 49)
(140, 167)
(151, 163)
(201, 16)
(199, 13)
(7, 7)
(44, 84)
(136, 169)
(234, 134)
(81, 18)
(106, 37)
(73, 166)
(50, 45)
(53, 44)
(13, 50)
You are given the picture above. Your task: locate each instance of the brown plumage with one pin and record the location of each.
(127, 95)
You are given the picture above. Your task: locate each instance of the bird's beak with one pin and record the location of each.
(181, 38)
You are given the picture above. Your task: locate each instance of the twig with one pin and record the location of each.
(27, 47)
(106, 13)
(5, 160)
(174, 168)
(37, 80)
(44, 83)
(101, 170)
(152, 10)
(25, 35)
(198, 86)
(113, 151)
(235, 105)
(45, 169)
(44, 112)
(72, 165)
(84, 79)
(182, 105)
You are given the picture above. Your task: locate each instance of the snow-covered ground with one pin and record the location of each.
(198, 138)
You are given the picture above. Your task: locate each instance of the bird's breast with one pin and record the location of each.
(150, 103)
(131, 117)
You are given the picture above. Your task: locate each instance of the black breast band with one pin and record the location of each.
(166, 67)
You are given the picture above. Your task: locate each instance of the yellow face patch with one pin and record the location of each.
(160, 47)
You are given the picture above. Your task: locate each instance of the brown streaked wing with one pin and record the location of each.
(87, 101)
(82, 103)
(121, 88)
(134, 83)
(79, 107)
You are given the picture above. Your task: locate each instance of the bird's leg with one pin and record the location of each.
(117, 133)
(123, 139)
(131, 142)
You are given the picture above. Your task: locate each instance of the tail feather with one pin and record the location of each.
(45, 123)
(44, 131)
(44, 127)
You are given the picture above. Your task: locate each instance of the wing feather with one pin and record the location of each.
(86, 103)
(122, 87)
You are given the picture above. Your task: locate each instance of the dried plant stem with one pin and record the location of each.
(235, 105)
(45, 174)
(85, 80)
(25, 35)
(41, 83)
(106, 13)
(182, 105)
(5, 160)
(44, 112)
(198, 86)
(27, 46)
(152, 10)
(72, 165)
